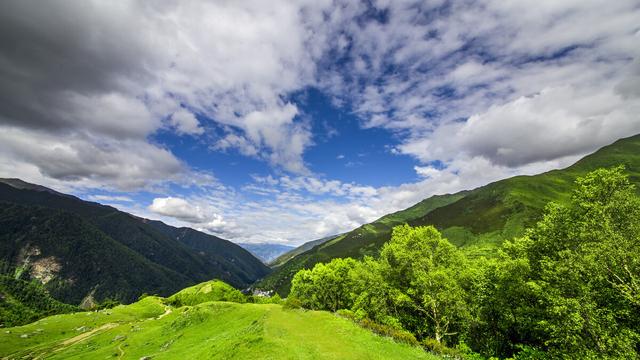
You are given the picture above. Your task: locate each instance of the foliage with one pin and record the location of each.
(569, 288)
(326, 286)
(22, 302)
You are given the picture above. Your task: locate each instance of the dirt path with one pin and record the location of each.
(84, 336)
(120, 351)
(167, 311)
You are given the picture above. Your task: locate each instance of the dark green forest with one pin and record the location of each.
(568, 288)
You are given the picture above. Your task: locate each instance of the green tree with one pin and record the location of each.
(423, 271)
(570, 286)
(326, 286)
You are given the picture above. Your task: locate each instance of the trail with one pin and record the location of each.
(167, 311)
(84, 336)
(120, 351)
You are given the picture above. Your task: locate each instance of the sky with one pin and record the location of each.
(286, 121)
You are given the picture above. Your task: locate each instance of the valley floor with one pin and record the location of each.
(212, 330)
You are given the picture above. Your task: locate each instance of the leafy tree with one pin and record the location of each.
(570, 285)
(326, 286)
(423, 271)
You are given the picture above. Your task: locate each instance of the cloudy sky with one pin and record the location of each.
(286, 121)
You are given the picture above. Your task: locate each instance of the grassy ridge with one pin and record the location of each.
(478, 220)
(211, 330)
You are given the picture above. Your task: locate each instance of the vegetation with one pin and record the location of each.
(569, 288)
(214, 290)
(477, 221)
(152, 328)
(22, 302)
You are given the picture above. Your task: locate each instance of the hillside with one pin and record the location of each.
(283, 258)
(267, 252)
(151, 329)
(84, 250)
(23, 302)
(477, 220)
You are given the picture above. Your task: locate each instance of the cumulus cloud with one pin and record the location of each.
(111, 72)
(186, 123)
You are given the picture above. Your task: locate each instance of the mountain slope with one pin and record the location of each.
(266, 252)
(150, 329)
(79, 248)
(283, 258)
(23, 302)
(477, 220)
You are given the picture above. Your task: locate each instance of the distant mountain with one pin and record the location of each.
(266, 252)
(82, 250)
(478, 220)
(299, 250)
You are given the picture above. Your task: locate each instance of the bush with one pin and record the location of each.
(398, 335)
(291, 303)
(439, 348)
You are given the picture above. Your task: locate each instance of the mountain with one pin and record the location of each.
(477, 220)
(154, 328)
(85, 251)
(283, 258)
(267, 252)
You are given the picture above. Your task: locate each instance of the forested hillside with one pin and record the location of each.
(478, 220)
(83, 250)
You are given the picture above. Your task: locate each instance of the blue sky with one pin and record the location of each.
(288, 121)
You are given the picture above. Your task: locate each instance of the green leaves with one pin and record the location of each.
(569, 288)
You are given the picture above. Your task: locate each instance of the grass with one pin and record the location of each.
(209, 330)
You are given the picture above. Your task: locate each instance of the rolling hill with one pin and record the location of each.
(153, 329)
(84, 251)
(477, 220)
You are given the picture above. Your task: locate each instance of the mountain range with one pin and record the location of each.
(85, 252)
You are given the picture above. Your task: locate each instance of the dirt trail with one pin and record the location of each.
(167, 311)
(120, 351)
(85, 335)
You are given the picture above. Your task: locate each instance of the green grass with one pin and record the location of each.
(210, 330)
(478, 220)
(214, 290)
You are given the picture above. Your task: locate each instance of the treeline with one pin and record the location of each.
(570, 288)
(22, 302)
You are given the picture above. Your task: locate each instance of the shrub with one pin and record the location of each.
(292, 303)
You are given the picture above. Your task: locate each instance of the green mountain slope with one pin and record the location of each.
(151, 329)
(80, 249)
(300, 249)
(477, 220)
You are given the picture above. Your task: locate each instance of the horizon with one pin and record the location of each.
(285, 123)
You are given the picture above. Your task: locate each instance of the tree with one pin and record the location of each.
(423, 271)
(576, 293)
(326, 286)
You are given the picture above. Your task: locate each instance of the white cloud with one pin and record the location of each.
(186, 123)
(86, 161)
(110, 198)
